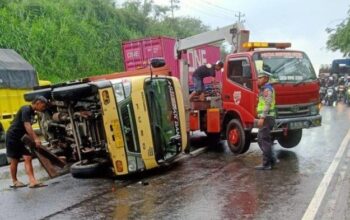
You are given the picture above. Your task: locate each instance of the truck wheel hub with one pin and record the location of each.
(234, 136)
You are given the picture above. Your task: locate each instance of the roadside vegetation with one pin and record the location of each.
(339, 37)
(69, 39)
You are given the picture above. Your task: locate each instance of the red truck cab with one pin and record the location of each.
(296, 91)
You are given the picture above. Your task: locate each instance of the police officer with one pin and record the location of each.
(198, 76)
(266, 119)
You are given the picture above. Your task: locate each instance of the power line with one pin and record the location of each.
(217, 6)
(212, 7)
(222, 16)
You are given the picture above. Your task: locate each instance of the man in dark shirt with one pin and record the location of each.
(15, 148)
(198, 76)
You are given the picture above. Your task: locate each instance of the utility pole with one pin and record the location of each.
(172, 8)
(240, 15)
(174, 4)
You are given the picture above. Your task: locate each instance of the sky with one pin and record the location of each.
(301, 22)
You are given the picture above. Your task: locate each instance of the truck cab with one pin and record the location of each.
(234, 117)
(296, 89)
(130, 122)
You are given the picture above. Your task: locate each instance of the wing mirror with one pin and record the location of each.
(157, 62)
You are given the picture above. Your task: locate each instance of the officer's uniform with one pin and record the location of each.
(266, 109)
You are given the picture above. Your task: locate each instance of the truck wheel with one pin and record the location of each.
(79, 170)
(248, 138)
(292, 139)
(2, 134)
(73, 92)
(30, 96)
(236, 137)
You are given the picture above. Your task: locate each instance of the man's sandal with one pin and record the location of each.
(18, 184)
(37, 185)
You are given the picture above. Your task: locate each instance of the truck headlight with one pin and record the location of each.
(314, 109)
(132, 166)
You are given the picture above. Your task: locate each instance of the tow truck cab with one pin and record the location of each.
(296, 90)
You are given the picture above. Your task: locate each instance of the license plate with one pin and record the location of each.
(298, 125)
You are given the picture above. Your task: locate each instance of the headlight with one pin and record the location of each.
(132, 164)
(314, 109)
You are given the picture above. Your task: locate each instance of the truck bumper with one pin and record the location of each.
(293, 123)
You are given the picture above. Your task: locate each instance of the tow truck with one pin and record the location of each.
(231, 113)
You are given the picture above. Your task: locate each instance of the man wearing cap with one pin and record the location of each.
(198, 76)
(15, 148)
(266, 119)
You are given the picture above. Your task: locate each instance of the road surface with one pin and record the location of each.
(311, 181)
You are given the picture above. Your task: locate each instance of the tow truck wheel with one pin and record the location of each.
(292, 139)
(236, 137)
(81, 170)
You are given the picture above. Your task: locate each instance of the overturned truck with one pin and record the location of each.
(129, 124)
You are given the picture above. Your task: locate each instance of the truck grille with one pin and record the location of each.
(292, 111)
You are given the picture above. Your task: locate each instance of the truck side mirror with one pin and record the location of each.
(246, 71)
(157, 62)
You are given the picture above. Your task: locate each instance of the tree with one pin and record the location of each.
(339, 37)
(70, 39)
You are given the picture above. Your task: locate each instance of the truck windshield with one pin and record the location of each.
(164, 117)
(286, 66)
(122, 93)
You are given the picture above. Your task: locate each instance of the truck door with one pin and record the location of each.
(239, 87)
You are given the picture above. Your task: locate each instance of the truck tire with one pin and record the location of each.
(79, 170)
(73, 92)
(2, 134)
(30, 96)
(292, 139)
(237, 140)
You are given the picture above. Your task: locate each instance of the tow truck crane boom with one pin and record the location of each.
(234, 34)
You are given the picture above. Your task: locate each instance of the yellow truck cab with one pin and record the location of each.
(130, 124)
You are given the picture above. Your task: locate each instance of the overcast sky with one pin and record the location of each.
(301, 22)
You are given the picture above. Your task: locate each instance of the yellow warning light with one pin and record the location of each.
(253, 45)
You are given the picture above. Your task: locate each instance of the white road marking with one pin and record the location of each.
(316, 201)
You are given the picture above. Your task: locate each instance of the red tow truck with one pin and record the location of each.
(232, 115)
(230, 112)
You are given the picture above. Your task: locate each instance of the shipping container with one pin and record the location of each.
(137, 54)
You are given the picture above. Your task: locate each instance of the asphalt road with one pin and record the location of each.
(213, 185)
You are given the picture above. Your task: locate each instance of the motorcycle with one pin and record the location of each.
(331, 96)
(347, 96)
(340, 92)
(323, 91)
